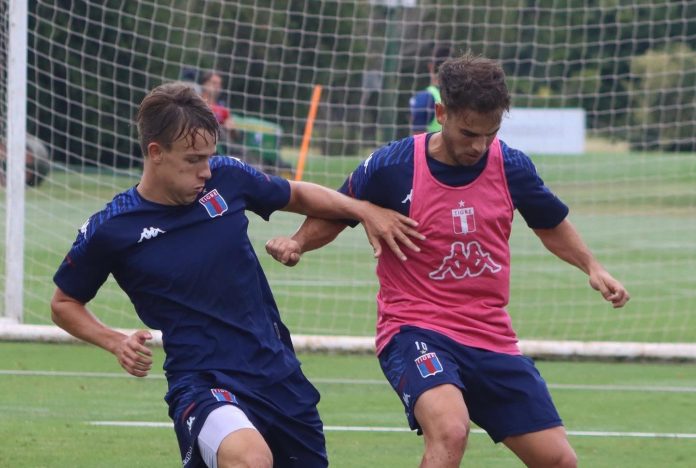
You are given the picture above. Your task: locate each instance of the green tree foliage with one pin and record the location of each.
(92, 62)
(664, 99)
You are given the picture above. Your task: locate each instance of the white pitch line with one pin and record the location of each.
(319, 380)
(106, 375)
(646, 435)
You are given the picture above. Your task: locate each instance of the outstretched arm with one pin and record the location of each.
(313, 234)
(380, 224)
(565, 242)
(72, 316)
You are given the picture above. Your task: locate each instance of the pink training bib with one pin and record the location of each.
(459, 284)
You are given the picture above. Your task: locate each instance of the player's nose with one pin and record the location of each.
(205, 172)
(479, 144)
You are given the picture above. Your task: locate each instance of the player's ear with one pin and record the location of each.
(154, 152)
(440, 113)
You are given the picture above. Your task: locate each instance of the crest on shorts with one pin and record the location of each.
(221, 394)
(428, 364)
(214, 204)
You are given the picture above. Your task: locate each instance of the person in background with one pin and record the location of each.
(210, 88)
(422, 104)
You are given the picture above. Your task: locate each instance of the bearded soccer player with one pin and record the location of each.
(444, 337)
(177, 244)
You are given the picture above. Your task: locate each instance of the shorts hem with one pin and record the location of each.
(497, 438)
(416, 426)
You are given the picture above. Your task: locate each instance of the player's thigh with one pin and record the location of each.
(228, 438)
(546, 448)
(245, 447)
(442, 413)
(416, 362)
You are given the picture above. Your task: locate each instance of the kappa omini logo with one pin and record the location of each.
(189, 422)
(465, 260)
(367, 161)
(214, 204)
(463, 219)
(408, 198)
(150, 232)
(83, 228)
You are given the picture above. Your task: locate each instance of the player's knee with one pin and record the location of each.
(246, 449)
(246, 459)
(568, 460)
(563, 459)
(451, 435)
(457, 436)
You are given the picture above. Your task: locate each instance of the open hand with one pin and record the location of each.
(382, 224)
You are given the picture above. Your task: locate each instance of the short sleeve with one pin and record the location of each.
(85, 268)
(538, 205)
(265, 193)
(262, 193)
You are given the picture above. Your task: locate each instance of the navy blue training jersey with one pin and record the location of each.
(386, 178)
(191, 272)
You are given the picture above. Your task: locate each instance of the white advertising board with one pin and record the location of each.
(544, 131)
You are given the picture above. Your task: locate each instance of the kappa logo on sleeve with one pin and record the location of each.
(214, 204)
(83, 228)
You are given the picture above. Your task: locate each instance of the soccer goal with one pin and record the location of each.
(604, 101)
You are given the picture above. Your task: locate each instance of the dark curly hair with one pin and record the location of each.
(473, 83)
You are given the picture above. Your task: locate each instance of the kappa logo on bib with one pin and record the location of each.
(465, 260)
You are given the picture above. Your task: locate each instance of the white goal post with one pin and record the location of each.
(615, 82)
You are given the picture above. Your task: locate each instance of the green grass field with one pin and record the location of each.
(636, 211)
(618, 414)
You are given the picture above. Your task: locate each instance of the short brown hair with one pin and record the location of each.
(172, 111)
(473, 83)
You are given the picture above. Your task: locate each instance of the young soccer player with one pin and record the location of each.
(444, 337)
(177, 244)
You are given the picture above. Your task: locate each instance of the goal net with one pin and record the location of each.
(604, 101)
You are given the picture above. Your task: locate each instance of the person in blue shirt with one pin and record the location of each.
(422, 104)
(444, 339)
(177, 244)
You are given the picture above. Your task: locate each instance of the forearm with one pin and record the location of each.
(321, 202)
(315, 233)
(76, 319)
(565, 242)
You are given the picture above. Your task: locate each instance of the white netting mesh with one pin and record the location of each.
(630, 65)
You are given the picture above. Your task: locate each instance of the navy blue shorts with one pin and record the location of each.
(285, 414)
(505, 394)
